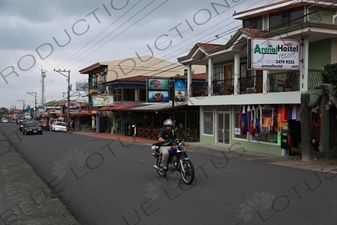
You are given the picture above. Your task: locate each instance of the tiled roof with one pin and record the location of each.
(139, 78)
(124, 105)
(253, 32)
(207, 47)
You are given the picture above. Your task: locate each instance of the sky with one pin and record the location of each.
(71, 35)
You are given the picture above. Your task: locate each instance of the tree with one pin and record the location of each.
(3, 111)
(328, 88)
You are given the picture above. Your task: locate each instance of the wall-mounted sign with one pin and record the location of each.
(102, 100)
(158, 89)
(158, 96)
(158, 83)
(269, 54)
(179, 90)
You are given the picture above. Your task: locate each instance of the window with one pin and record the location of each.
(142, 95)
(216, 73)
(208, 120)
(129, 95)
(117, 95)
(104, 78)
(239, 123)
(286, 18)
(253, 23)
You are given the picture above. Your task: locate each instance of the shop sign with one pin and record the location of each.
(269, 54)
(237, 131)
(103, 100)
(179, 90)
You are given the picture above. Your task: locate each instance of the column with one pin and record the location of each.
(304, 60)
(264, 82)
(236, 72)
(209, 77)
(189, 79)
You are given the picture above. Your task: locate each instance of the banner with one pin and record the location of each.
(103, 100)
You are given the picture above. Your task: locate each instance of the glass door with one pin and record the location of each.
(223, 128)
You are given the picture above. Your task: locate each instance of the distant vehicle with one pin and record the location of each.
(59, 126)
(31, 128)
(43, 124)
(4, 120)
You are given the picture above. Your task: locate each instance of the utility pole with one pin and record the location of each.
(43, 75)
(23, 105)
(34, 95)
(68, 97)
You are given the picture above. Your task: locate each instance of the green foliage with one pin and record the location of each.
(330, 75)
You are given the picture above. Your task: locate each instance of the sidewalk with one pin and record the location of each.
(322, 165)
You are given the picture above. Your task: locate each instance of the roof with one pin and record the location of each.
(253, 32)
(140, 66)
(206, 46)
(274, 7)
(118, 106)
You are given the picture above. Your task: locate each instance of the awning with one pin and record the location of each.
(156, 107)
(83, 113)
(106, 108)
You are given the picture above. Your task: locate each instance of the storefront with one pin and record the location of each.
(274, 129)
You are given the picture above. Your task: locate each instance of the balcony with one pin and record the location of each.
(286, 81)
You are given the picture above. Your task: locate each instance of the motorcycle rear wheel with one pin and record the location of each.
(188, 175)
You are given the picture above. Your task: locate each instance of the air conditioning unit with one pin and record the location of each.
(334, 19)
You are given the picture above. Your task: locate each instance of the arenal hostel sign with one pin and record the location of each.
(269, 54)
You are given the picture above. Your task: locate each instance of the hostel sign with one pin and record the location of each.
(267, 54)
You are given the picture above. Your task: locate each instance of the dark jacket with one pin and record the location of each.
(169, 137)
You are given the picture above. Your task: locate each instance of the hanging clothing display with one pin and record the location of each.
(243, 121)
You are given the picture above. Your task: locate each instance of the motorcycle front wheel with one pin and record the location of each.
(187, 172)
(160, 172)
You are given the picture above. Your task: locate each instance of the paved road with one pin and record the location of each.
(110, 182)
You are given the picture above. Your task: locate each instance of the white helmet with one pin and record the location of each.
(168, 122)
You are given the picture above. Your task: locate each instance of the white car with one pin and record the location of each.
(59, 126)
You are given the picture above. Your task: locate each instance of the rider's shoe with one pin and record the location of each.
(164, 170)
(156, 167)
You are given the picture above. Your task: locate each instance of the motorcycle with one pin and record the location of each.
(178, 161)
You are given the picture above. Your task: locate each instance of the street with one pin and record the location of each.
(113, 182)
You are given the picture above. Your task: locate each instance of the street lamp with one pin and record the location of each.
(34, 95)
(69, 87)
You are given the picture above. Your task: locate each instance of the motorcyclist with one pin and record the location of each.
(167, 137)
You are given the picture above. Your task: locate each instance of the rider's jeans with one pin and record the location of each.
(164, 150)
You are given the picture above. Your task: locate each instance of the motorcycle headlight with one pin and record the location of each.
(181, 146)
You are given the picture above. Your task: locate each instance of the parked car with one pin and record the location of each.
(59, 126)
(31, 128)
(4, 120)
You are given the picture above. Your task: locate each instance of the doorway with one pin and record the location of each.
(223, 128)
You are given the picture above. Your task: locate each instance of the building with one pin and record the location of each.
(252, 94)
(118, 92)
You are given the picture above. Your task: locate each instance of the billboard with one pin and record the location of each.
(158, 89)
(269, 54)
(82, 86)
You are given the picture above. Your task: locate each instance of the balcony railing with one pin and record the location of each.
(276, 82)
